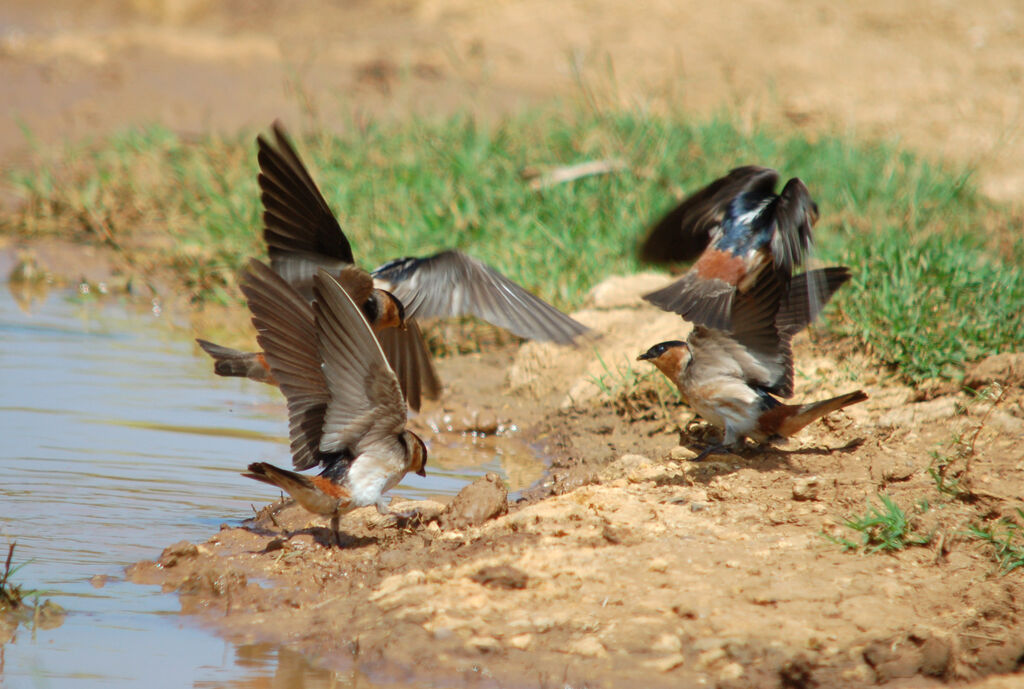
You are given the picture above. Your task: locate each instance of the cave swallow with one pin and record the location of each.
(733, 379)
(346, 412)
(739, 227)
(303, 235)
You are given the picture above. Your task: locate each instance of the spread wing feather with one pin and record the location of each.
(366, 406)
(451, 283)
(410, 359)
(286, 330)
(296, 217)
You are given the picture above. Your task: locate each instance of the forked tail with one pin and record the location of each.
(235, 364)
(787, 419)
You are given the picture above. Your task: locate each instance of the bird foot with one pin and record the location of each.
(716, 449)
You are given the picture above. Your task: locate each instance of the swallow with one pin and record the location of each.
(346, 413)
(734, 379)
(303, 235)
(736, 227)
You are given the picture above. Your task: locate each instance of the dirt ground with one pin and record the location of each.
(631, 565)
(628, 564)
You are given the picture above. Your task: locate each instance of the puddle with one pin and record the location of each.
(117, 441)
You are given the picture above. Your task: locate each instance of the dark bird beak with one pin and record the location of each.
(645, 356)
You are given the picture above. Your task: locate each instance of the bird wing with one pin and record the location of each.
(795, 215)
(366, 406)
(287, 333)
(451, 283)
(806, 297)
(410, 359)
(296, 218)
(686, 230)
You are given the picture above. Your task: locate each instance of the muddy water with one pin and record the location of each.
(118, 440)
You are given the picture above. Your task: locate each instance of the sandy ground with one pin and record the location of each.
(628, 564)
(945, 78)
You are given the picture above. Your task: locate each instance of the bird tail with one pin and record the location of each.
(305, 490)
(235, 364)
(787, 419)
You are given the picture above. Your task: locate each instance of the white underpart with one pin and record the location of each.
(370, 477)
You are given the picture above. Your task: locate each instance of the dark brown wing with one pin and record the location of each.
(451, 283)
(297, 219)
(410, 359)
(795, 215)
(287, 334)
(685, 231)
(807, 295)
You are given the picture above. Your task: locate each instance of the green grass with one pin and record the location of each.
(929, 292)
(1007, 541)
(885, 527)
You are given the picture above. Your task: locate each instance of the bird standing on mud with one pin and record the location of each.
(732, 379)
(739, 227)
(346, 412)
(303, 235)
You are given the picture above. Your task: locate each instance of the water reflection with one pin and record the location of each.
(118, 440)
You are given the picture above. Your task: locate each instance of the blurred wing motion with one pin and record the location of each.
(741, 228)
(453, 284)
(685, 231)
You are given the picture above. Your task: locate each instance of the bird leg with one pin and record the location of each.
(335, 529)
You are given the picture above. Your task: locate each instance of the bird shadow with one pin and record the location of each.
(762, 458)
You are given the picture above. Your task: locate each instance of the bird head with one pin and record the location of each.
(392, 311)
(417, 454)
(670, 356)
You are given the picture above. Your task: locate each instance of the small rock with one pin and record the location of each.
(667, 643)
(806, 488)
(709, 658)
(521, 641)
(396, 582)
(731, 671)
(484, 644)
(181, 550)
(697, 506)
(891, 469)
(98, 581)
(668, 663)
(681, 454)
(485, 498)
(588, 646)
(501, 577)
(658, 564)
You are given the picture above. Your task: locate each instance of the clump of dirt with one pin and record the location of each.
(631, 564)
(15, 608)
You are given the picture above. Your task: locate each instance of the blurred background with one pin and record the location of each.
(943, 77)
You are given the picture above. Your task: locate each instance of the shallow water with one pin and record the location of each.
(117, 441)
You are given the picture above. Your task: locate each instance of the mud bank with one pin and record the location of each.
(630, 564)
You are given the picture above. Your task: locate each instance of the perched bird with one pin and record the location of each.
(739, 227)
(303, 235)
(346, 413)
(733, 379)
